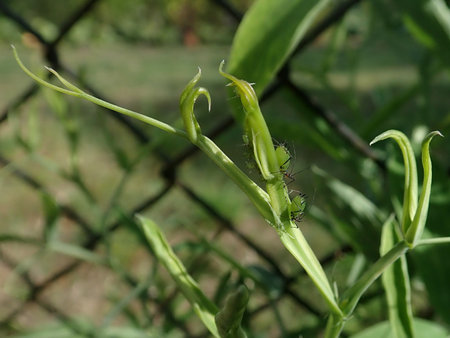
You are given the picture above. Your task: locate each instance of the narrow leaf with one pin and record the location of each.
(51, 212)
(429, 23)
(396, 285)
(433, 268)
(268, 34)
(352, 295)
(295, 242)
(76, 252)
(415, 231)
(229, 318)
(410, 193)
(81, 94)
(203, 307)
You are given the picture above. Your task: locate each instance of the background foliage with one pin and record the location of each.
(72, 175)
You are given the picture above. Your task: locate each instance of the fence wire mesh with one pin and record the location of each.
(62, 280)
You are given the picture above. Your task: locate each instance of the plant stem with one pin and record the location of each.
(439, 240)
(335, 324)
(258, 196)
(351, 297)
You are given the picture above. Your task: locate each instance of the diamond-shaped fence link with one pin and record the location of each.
(35, 281)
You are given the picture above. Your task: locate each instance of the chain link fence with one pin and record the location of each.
(42, 281)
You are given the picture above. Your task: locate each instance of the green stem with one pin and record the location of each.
(410, 192)
(428, 241)
(351, 297)
(75, 91)
(335, 324)
(258, 196)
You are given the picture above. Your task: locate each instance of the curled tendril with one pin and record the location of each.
(187, 102)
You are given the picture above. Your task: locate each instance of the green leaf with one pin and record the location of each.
(390, 110)
(255, 127)
(76, 252)
(122, 304)
(429, 23)
(418, 224)
(267, 35)
(296, 244)
(396, 285)
(51, 212)
(72, 90)
(351, 296)
(423, 328)
(229, 318)
(362, 230)
(433, 267)
(203, 307)
(410, 192)
(80, 329)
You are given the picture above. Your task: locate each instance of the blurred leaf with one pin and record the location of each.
(361, 228)
(223, 288)
(396, 285)
(385, 113)
(433, 267)
(429, 22)
(132, 225)
(203, 307)
(76, 252)
(115, 146)
(229, 318)
(20, 239)
(357, 268)
(295, 130)
(60, 107)
(267, 35)
(62, 331)
(423, 328)
(123, 303)
(258, 274)
(68, 328)
(269, 280)
(51, 212)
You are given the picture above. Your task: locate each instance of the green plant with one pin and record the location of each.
(280, 211)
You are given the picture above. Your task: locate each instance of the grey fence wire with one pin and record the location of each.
(37, 294)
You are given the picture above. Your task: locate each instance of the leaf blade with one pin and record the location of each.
(396, 285)
(202, 306)
(410, 192)
(267, 35)
(418, 224)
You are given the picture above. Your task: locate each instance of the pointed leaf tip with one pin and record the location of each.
(436, 132)
(221, 66)
(385, 135)
(416, 229)
(375, 140)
